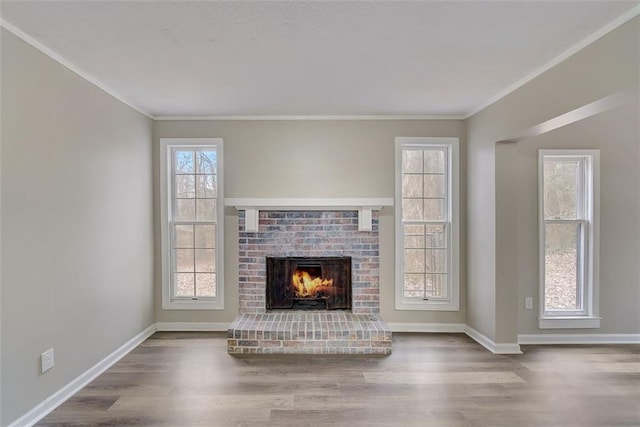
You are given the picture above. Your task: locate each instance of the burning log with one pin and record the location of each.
(306, 286)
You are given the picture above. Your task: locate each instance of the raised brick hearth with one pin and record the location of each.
(326, 332)
(309, 234)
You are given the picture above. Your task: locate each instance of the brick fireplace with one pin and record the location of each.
(300, 235)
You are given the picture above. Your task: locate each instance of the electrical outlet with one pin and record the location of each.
(47, 360)
(528, 303)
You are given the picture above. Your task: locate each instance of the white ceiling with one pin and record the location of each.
(210, 58)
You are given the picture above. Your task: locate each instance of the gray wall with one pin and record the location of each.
(309, 159)
(617, 136)
(77, 235)
(501, 231)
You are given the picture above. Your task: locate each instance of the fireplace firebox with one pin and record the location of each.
(308, 283)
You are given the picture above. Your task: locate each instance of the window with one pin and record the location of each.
(568, 206)
(192, 223)
(427, 254)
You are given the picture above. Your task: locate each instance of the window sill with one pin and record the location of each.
(192, 305)
(427, 306)
(576, 322)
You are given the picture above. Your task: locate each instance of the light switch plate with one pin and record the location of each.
(528, 303)
(47, 360)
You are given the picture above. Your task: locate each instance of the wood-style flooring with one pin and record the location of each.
(188, 379)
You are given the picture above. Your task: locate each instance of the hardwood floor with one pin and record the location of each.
(186, 379)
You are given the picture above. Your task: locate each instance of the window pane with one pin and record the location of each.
(434, 210)
(184, 161)
(206, 162)
(414, 229)
(435, 236)
(412, 209)
(206, 186)
(434, 161)
(414, 261)
(205, 260)
(185, 209)
(424, 236)
(561, 178)
(436, 260)
(414, 236)
(183, 260)
(412, 185)
(429, 185)
(414, 285)
(412, 161)
(205, 236)
(414, 241)
(206, 210)
(184, 284)
(434, 186)
(185, 187)
(183, 236)
(561, 267)
(205, 285)
(436, 285)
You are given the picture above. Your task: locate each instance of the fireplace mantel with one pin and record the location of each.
(253, 206)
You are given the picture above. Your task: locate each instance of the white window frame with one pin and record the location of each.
(588, 218)
(202, 303)
(452, 225)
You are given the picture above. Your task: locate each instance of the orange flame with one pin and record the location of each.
(305, 286)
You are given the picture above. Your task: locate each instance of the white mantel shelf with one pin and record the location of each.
(253, 206)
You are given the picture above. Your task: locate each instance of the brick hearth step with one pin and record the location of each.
(312, 332)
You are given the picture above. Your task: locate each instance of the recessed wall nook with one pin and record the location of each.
(309, 277)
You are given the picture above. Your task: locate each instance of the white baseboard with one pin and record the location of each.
(579, 339)
(496, 348)
(56, 399)
(193, 326)
(427, 327)
(486, 342)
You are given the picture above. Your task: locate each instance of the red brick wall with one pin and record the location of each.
(309, 233)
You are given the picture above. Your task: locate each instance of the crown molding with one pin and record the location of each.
(317, 117)
(618, 22)
(69, 65)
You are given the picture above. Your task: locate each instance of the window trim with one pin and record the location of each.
(207, 303)
(588, 317)
(453, 225)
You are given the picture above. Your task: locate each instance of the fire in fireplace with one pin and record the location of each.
(308, 283)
